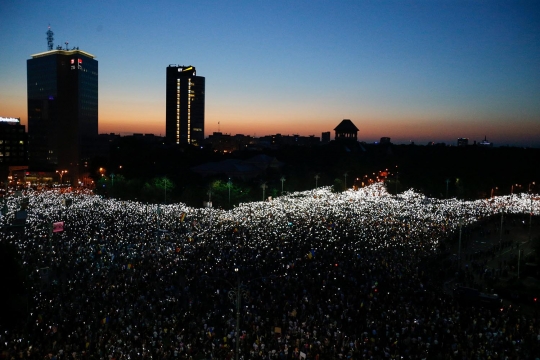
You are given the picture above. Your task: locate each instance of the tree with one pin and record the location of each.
(338, 186)
(164, 185)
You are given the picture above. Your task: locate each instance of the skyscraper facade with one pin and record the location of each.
(184, 115)
(62, 108)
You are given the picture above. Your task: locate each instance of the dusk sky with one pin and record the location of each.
(431, 70)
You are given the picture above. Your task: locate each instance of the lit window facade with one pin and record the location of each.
(184, 115)
(13, 142)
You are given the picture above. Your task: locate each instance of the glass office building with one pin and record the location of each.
(62, 108)
(184, 115)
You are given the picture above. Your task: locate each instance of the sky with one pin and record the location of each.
(431, 70)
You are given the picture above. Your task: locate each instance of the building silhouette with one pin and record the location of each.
(325, 137)
(485, 142)
(62, 108)
(13, 142)
(462, 142)
(346, 131)
(184, 114)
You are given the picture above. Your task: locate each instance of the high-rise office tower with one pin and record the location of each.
(184, 115)
(62, 107)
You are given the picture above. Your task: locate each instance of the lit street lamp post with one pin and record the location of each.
(282, 181)
(459, 245)
(235, 295)
(500, 238)
(165, 183)
(61, 173)
(530, 213)
(238, 294)
(229, 183)
(264, 186)
(317, 181)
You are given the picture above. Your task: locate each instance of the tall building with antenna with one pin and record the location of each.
(184, 114)
(62, 89)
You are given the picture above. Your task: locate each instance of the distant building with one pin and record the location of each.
(240, 169)
(462, 142)
(385, 140)
(147, 138)
(227, 143)
(485, 142)
(432, 143)
(13, 142)
(184, 108)
(62, 108)
(346, 130)
(325, 137)
(278, 140)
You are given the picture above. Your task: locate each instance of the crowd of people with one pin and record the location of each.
(314, 275)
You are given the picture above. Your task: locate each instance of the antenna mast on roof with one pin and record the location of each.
(50, 38)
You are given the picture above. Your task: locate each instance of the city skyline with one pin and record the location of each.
(412, 71)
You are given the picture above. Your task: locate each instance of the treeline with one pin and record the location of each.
(157, 173)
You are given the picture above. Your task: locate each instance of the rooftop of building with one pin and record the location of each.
(346, 125)
(63, 52)
(9, 121)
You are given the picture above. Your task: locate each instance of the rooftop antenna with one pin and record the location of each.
(218, 126)
(50, 38)
(66, 45)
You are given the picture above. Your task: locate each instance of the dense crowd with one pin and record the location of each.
(319, 275)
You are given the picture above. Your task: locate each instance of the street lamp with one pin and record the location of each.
(165, 185)
(500, 238)
(61, 173)
(235, 295)
(317, 177)
(229, 183)
(282, 181)
(512, 188)
(459, 245)
(530, 213)
(492, 190)
(264, 186)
